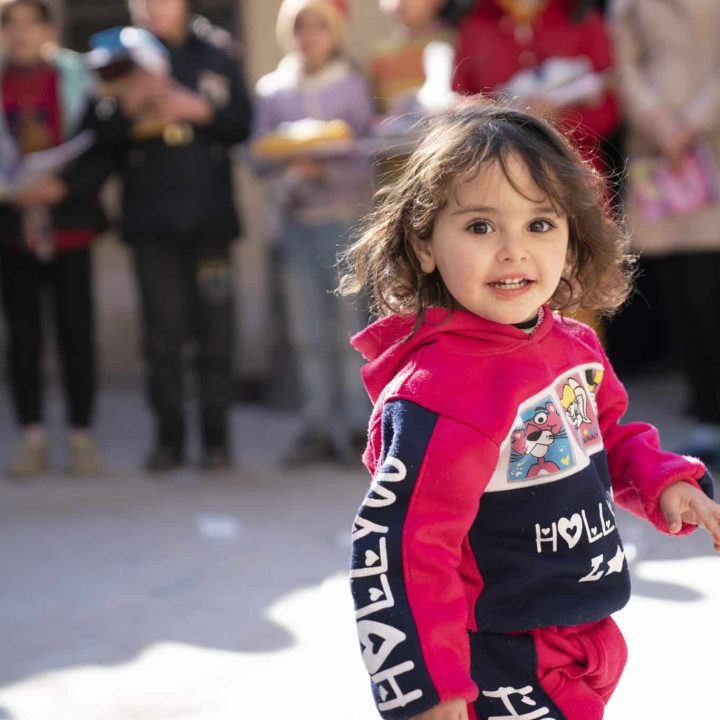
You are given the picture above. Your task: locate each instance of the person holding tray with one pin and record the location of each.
(308, 113)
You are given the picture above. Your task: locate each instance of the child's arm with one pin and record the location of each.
(411, 590)
(640, 469)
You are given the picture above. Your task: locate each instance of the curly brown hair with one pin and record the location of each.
(455, 147)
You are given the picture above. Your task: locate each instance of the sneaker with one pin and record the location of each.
(85, 458)
(163, 458)
(216, 458)
(31, 458)
(311, 447)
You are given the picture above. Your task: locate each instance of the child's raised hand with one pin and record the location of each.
(449, 710)
(682, 502)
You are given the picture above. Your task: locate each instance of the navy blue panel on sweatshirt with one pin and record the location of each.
(550, 554)
(388, 635)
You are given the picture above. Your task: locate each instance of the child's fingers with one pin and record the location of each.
(673, 519)
(708, 515)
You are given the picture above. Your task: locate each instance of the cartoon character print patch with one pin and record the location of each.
(577, 400)
(540, 446)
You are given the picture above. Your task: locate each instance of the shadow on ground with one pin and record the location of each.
(96, 571)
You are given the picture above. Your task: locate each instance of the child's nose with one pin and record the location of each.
(512, 247)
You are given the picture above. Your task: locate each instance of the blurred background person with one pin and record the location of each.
(397, 62)
(668, 59)
(45, 94)
(552, 55)
(317, 198)
(169, 136)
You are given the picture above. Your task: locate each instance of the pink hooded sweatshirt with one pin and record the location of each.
(496, 457)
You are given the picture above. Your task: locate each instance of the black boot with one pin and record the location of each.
(168, 452)
(164, 457)
(216, 458)
(216, 453)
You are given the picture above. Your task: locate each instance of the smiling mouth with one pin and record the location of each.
(511, 283)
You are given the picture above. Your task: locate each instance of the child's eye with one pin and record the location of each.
(480, 227)
(540, 226)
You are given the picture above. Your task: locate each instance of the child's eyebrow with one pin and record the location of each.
(474, 209)
(545, 210)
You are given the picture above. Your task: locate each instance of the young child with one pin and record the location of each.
(486, 559)
(45, 94)
(316, 201)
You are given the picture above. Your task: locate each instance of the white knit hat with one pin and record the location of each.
(334, 11)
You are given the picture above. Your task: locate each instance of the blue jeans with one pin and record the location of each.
(320, 326)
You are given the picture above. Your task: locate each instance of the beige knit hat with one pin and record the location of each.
(334, 11)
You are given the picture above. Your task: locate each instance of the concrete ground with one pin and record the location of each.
(224, 598)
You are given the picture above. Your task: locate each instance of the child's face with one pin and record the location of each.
(314, 38)
(500, 252)
(413, 14)
(25, 34)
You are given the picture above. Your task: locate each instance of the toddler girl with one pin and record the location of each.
(486, 556)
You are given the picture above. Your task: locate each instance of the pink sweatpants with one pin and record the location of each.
(555, 673)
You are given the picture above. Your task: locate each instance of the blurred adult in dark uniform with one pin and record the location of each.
(169, 135)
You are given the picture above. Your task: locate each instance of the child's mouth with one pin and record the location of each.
(510, 284)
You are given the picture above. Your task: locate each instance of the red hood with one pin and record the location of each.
(387, 344)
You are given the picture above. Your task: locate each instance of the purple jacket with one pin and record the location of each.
(338, 91)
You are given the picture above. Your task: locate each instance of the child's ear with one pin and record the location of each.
(424, 253)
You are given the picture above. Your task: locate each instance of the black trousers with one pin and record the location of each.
(187, 300)
(25, 281)
(691, 286)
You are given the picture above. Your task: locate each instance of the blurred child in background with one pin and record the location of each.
(316, 199)
(397, 63)
(45, 93)
(561, 45)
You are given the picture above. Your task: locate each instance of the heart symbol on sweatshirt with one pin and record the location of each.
(377, 640)
(376, 594)
(371, 558)
(571, 530)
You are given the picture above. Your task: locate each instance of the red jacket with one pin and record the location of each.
(489, 52)
(496, 457)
